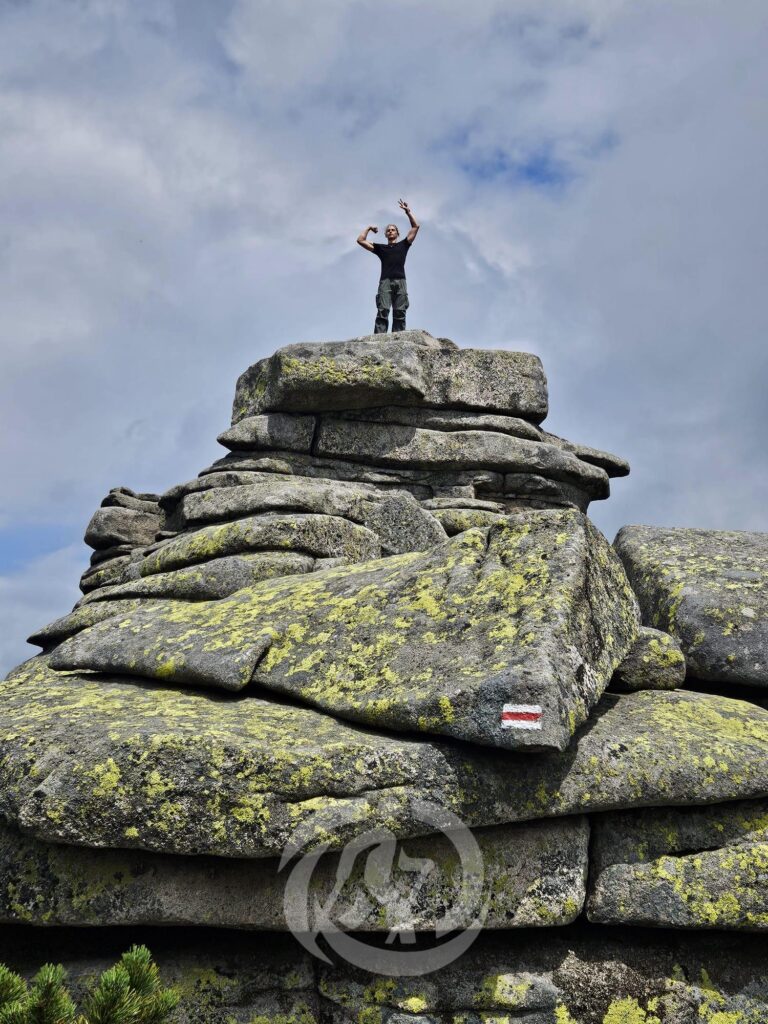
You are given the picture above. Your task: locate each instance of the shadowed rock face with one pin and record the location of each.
(708, 588)
(533, 876)
(683, 868)
(506, 637)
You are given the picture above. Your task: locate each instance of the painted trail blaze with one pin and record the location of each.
(521, 716)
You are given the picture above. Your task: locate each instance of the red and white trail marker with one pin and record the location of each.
(521, 716)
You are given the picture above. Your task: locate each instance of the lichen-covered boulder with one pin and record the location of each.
(694, 867)
(209, 581)
(708, 588)
(321, 536)
(506, 636)
(100, 761)
(654, 662)
(405, 369)
(533, 876)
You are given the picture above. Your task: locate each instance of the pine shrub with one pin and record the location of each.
(128, 993)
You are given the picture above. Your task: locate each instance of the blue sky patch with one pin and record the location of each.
(20, 544)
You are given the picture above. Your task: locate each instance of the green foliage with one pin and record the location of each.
(128, 993)
(49, 1001)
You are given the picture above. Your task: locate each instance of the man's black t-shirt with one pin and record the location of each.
(392, 258)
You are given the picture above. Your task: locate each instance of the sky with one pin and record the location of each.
(182, 183)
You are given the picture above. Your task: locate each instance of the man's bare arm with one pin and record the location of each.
(414, 226)
(362, 238)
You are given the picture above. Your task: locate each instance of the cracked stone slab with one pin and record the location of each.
(533, 876)
(709, 589)
(111, 762)
(414, 447)
(408, 368)
(701, 867)
(506, 637)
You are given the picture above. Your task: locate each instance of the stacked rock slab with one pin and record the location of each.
(384, 617)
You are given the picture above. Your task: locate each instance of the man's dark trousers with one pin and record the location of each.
(392, 294)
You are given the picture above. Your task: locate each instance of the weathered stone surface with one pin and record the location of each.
(550, 493)
(505, 637)
(407, 368)
(273, 430)
(708, 588)
(98, 761)
(107, 554)
(464, 503)
(266, 493)
(573, 975)
(209, 581)
(79, 619)
(534, 875)
(682, 868)
(448, 419)
(578, 975)
(110, 526)
(124, 497)
(392, 445)
(116, 570)
(317, 535)
(402, 524)
(613, 465)
(457, 520)
(395, 516)
(655, 662)
(422, 483)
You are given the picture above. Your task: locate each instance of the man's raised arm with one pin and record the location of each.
(362, 238)
(414, 226)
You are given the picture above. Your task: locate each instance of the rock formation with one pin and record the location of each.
(382, 626)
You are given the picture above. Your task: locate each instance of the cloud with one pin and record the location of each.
(181, 185)
(43, 590)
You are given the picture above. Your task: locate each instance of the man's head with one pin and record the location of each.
(391, 232)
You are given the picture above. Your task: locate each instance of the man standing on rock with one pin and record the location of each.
(393, 291)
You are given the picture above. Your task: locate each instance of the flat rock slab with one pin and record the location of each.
(708, 588)
(320, 536)
(682, 868)
(409, 368)
(209, 581)
(654, 662)
(109, 762)
(506, 636)
(81, 618)
(392, 445)
(533, 875)
(395, 516)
